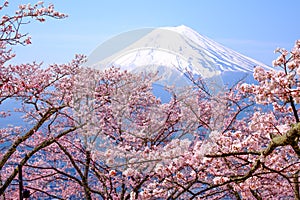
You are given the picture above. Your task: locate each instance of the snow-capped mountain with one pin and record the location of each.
(171, 51)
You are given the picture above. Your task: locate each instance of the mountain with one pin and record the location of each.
(172, 51)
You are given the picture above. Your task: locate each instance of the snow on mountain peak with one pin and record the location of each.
(228, 59)
(171, 51)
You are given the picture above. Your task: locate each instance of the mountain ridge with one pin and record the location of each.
(207, 43)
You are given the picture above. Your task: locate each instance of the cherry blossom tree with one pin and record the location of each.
(40, 94)
(78, 138)
(254, 154)
(90, 134)
(241, 144)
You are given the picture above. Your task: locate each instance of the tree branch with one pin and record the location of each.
(30, 154)
(23, 138)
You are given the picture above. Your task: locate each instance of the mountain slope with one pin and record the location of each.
(171, 51)
(228, 59)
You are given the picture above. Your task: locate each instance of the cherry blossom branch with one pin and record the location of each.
(233, 154)
(23, 138)
(296, 185)
(31, 153)
(44, 192)
(286, 139)
(10, 25)
(254, 193)
(84, 177)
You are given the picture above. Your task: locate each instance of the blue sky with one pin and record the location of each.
(252, 27)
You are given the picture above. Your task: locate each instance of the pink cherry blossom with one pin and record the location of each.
(83, 133)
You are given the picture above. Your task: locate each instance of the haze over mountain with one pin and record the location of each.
(172, 51)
